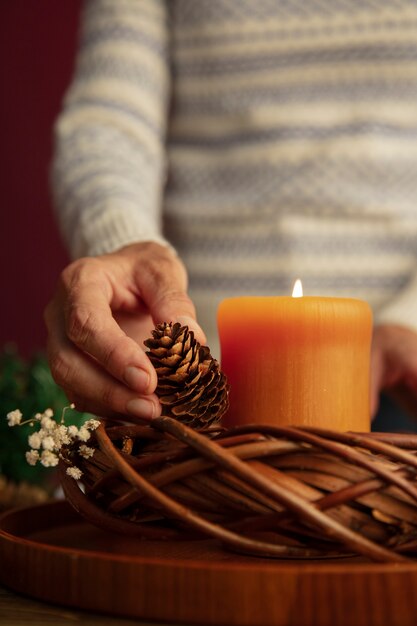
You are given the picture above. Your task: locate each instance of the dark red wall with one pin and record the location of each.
(37, 44)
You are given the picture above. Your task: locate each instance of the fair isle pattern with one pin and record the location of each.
(264, 140)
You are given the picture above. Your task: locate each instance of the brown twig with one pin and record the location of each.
(314, 492)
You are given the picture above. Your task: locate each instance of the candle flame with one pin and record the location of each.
(297, 291)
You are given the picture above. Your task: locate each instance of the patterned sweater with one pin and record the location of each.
(264, 140)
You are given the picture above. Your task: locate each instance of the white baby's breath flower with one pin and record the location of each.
(86, 451)
(48, 443)
(84, 434)
(32, 457)
(49, 459)
(72, 431)
(47, 423)
(61, 436)
(92, 424)
(35, 440)
(74, 472)
(14, 417)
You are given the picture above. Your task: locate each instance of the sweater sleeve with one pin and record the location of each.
(109, 165)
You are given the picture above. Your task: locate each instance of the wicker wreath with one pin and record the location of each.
(261, 490)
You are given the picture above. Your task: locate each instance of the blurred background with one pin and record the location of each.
(37, 45)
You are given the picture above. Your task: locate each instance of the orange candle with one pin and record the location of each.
(301, 361)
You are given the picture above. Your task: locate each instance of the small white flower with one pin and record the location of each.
(60, 435)
(92, 424)
(47, 423)
(72, 431)
(86, 451)
(49, 459)
(32, 457)
(35, 440)
(14, 417)
(74, 472)
(48, 443)
(84, 434)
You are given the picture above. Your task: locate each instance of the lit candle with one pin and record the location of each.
(297, 360)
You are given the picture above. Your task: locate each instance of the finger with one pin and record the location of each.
(82, 377)
(193, 325)
(394, 365)
(90, 325)
(84, 406)
(100, 410)
(163, 287)
(377, 378)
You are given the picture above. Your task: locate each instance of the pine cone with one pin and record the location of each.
(191, 386)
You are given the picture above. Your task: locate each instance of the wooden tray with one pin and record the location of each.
(50, 553)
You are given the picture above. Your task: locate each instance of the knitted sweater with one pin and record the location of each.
(264, 140)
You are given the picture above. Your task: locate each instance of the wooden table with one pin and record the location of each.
(17, 610)
(51, 553)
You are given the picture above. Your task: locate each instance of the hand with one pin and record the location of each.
(103, 310)
(394, 366)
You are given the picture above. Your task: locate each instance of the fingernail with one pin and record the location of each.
(184, 320)
(137, 378)
(141, 407)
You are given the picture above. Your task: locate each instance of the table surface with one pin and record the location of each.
(18, 610)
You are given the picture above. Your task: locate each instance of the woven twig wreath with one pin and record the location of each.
(266, 491)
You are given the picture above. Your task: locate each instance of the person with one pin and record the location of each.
(217, 148)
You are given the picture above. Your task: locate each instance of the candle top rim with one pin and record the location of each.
(287, 307)
(296, 299)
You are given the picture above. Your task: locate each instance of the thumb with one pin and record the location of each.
(193, 325)
(163, 288)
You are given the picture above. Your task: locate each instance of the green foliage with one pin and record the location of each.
(28, 386)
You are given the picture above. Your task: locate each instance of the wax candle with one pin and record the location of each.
(297, 361)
